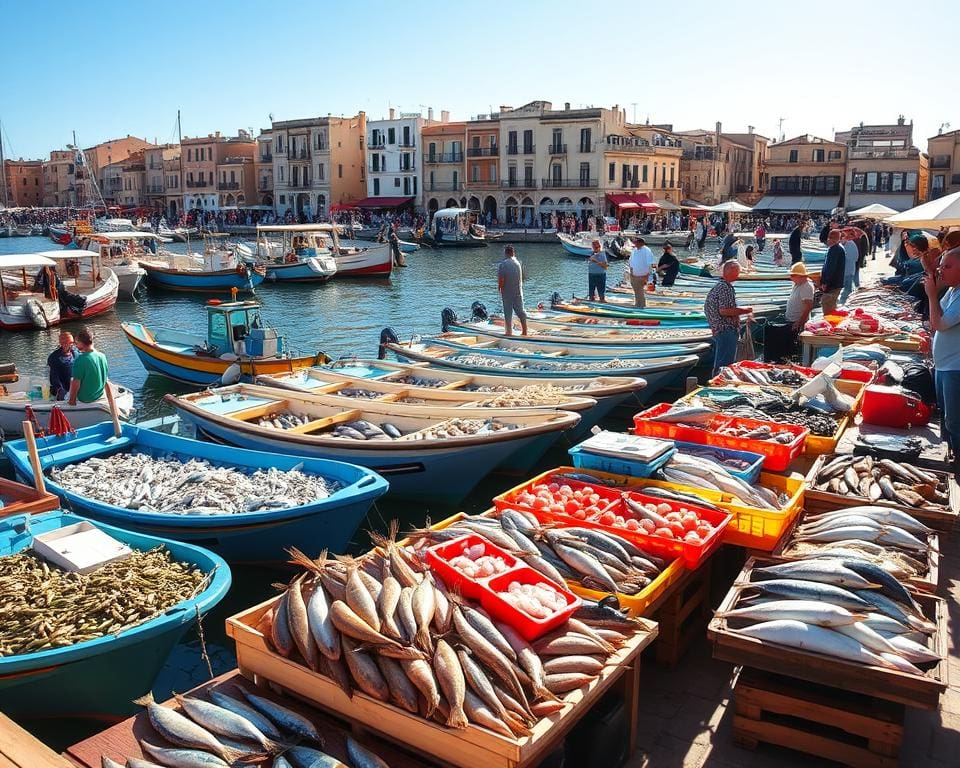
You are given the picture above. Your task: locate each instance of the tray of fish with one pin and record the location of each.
(764, 375)
(239, 724)
(842, 623)
(381, 642)
(44, 607)
(887, 537)
(474, 359)
(282, 420)
(172, 484)
(837, 481)
(534, 394)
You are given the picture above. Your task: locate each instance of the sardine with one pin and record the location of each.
(808, 611)
(260, 721)
(300, 625)
(798, 589)
(421, 675)
(585, 665)
(354, 627)
(423, 604)
(567, 681)
(224, 722)
(361, 757)
(387, 607)
(305, 757)
(180, 730)
(183, 758)
(824, 571)
(287, 719)
(359, 599)
(402, 691)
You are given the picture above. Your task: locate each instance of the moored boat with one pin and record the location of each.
(236, 345)
(122, 252)
(299, 256)
(220, 271)
(100, 677)
(14, 405)
(456, 228)
(438, 458)
(259, 534)
(580, 244)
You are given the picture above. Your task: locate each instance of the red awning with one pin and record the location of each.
(627, 200)
(383, 202)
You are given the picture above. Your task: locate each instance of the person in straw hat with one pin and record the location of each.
(800, 303)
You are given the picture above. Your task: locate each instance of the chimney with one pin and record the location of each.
(504, 108)
(444, 116)
(900, 120)
(429, 113)
(392, 112)
(750, 129)
(718, 127)
(566, 106)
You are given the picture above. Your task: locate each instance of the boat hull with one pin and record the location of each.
(305, 271)
(219, 281)
(100, 678)
(374, 261)
(129, 279)
(13, 412)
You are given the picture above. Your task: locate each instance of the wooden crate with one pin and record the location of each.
(21, 499)
(943, 520)
(472, 747)
(922, 691)
(683, 614)
(849, 728)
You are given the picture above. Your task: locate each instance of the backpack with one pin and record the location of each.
(918, 377)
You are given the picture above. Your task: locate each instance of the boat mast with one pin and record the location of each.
(80, 158)
(182, 182)
(3, 170)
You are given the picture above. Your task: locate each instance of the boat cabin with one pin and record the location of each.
(237, 327)
(18, 273)
(297, 241)
(114, 246)
(456, 224)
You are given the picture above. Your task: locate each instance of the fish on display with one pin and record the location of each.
(883, 479)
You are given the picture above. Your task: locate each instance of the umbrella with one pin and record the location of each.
(731, 206)
(58, 423)
(666, 205)
(942, 212)
(873, 211)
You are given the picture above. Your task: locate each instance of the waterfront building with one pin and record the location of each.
(236, 178)
(317, 162)
(263, 167)
(883, 166)
(718, 166)
(641, 166)
(481, 188)
(58, 173)
(199, 171)
(93, 163)
(155, 177)
(444, 166)
(24, 183)
(944, 153)
(805, 174)
(394, 162)
(132, 181)
(172, 185)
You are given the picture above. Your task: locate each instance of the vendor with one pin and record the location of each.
(945, 323)
(800, 303)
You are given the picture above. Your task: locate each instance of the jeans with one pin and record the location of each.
(948, 401)
(724, 349)
(597, 282)
(847, 288)
(639, 285)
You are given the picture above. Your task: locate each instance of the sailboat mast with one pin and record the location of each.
(182, 182)
(3, 170)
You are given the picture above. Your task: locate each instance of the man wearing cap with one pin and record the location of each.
(800, 303)
(831, 275)
(639, 266)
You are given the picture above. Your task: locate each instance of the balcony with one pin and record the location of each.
(940, 161)
(483, 151)
(445, 157)
(567, 183)
(156, 189)
(406, 144)
(519, 184)
(303, 184)
(298, 154)
(265, 185)
(557, 149)
(198, 184)
(443, 186)
(645, 149)
(152, 166)
(228, 185)
(484, 184)
(379, 144)
(381, 169)
(267, 158)
(860, 153)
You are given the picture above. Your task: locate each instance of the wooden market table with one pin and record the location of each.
(20, 749)
(813, 343)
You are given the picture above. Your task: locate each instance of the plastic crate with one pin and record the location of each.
(508, 499)
(587, 460)
(639, 604)
(642, 425)
(439, 556)
(529, 627)
(749, 475)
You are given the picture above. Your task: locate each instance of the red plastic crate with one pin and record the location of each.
(662, 429)
(528, 626)
(439, 556)
(508, 499)
(845, 373)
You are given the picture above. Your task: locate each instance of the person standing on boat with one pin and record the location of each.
(639, 266)
(597, 265)
(760, 233)
(723, 316)
(398, 259)
(61, 366)
(510, 285)
(89, 381)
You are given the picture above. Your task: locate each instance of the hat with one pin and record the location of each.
(799, 269)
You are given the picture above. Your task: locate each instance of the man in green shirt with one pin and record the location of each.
(89, 380)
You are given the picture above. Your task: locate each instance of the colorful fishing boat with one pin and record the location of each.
(123, 252)
(236, 346)
(431, 458)
(100, 678)
(580, 244)
(221, 271)
(260, 536)
(300, 253)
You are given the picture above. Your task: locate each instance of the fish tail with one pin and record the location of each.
(457, 718)
(515, 724)
(422, 639)
(542, 693)
(299, 558)
(146, 700)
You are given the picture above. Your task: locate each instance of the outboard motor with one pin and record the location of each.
(387, 336)
(447, 317)
(555, 300)
(479, 311)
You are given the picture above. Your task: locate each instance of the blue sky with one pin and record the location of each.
(106, 69)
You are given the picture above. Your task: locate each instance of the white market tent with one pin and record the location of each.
(873, 211)
(731, 206)
(942, 212)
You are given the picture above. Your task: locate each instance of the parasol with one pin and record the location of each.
(942, 212)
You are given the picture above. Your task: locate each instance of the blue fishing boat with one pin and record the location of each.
(236, 346)
(100, 678)
(220, 271)
(248, 537)
(298, 254)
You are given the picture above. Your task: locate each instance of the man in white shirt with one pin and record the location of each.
(800, 303)
(639, 266)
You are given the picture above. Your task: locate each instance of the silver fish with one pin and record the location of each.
(813, 639)
(304, 757)
(179, 729)
(266, 727)
(824, 571)
(183, 758)
(807, 611)
(222, 721)
(361, 757)
(285, 718)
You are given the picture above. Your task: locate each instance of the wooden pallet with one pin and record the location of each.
(852, 729)
(683, 614)
(20, 749)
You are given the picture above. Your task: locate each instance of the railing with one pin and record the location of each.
(406, 144)
(444, 186)
(485, 184)
(198, 184)
(528, 149)
(299, 184)
(264, 185)
(383, 169)
(519, 184)
(614, 147)
(859, 153)
(155, 190)
(445, 157)
(378, 144)
(229, 185)
(567, 183)
(705, 153)
(300, 154)
(483, 151)
(557, 149)
(155, 166)
(267, 158)
(513, 149)
(940, 161)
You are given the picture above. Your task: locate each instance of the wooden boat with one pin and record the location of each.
(658, 372)
(20, 499)
(554, 333)
(248, 537)
(592, 399)
(221, 271)
(14, 404)
(654, 315)
(20, 306)
(122, 252)
(429, 462)
(100, 678)
(301, 254)
(456, 228)
(678, 238)
(580, 244)
(236, 343)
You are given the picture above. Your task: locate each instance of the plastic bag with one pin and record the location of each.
(745, 349)
(830, 365)
(821, 393)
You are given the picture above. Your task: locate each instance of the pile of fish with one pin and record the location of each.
(418, 381)
(715, 456)
(763, 432)
(535, 394)
(771, 405)
(883, 479)
(476, 360)
(629, 333)
(778, 375)
(361, 429)
(701, 414)
(44, 607)
(883, 526)
(843, 607)
(282, 420)
(174, 485)
(385, 626)
(245, 728)
(359, 393)
(462, 428)
(566, 389)
(701, 472)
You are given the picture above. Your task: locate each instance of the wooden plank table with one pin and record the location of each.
(121, 740)
(20, 749)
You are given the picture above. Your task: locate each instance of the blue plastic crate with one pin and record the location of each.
(748, 475)
(585, 460)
